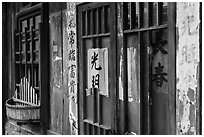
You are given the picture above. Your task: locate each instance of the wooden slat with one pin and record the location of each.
(140, 16)
(98, 21)
(43, 67)
(132, 15)
(172, 62)
(145, 29)
(103, 20)
(32, 54)
(125, 16)
(159, 13)
(94, 90)
(86, 19)
(26, 44)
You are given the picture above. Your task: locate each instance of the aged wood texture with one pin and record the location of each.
(172, 66)
(44, 68)
(56, 93)
(66, 125)
(5, 67)
(72, 81)
(121, 72)
(187, 67)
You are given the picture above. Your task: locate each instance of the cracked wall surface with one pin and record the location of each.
(187, 64)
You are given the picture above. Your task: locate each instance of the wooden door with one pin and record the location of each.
(97, 68)
(148, 34)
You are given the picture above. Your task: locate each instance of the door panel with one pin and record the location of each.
(98, 58)
(145, 38)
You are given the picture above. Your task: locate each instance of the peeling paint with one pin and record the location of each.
(187, 62)
(120, 41)
(72, 66)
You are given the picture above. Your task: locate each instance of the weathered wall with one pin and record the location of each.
(63, 82)
(187, 68)
(71, 65)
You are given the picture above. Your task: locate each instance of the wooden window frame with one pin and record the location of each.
(43, 9)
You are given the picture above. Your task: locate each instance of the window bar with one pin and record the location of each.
(94, 21)
(94, 90)
(89, 27)
(159, 13)
(98, 21)
(89, 129)
(125, 16)
(96, 130)
(16, 65)
(26, 44)
(20, 57)
(86, 19)
(32, 58)
(132, 15)
(86, 128)
(151, 14)
(99, 97)
(149, 77)
(106, 18)
(148, 14)
(83, 23)
(103, 20)
(85, 92)
(140, 16)
(136, 14)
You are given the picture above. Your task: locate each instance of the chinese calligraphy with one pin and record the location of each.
(72, 72)
(72, 55)
(95, 80)
(159, 44)
(93, 61)
(98, 69)
(159, 76)
(71, 37)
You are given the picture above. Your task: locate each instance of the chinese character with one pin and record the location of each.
(95, 80)
(159, 43)
(72, 74)
(159, 76)
(71, 24)
(71, 86)
(72, 55)
(71, 37)
(93, 61)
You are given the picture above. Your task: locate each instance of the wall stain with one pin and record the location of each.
(187, 63)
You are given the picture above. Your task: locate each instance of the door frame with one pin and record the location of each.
(82, 61)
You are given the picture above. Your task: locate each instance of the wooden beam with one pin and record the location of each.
(172, 66)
